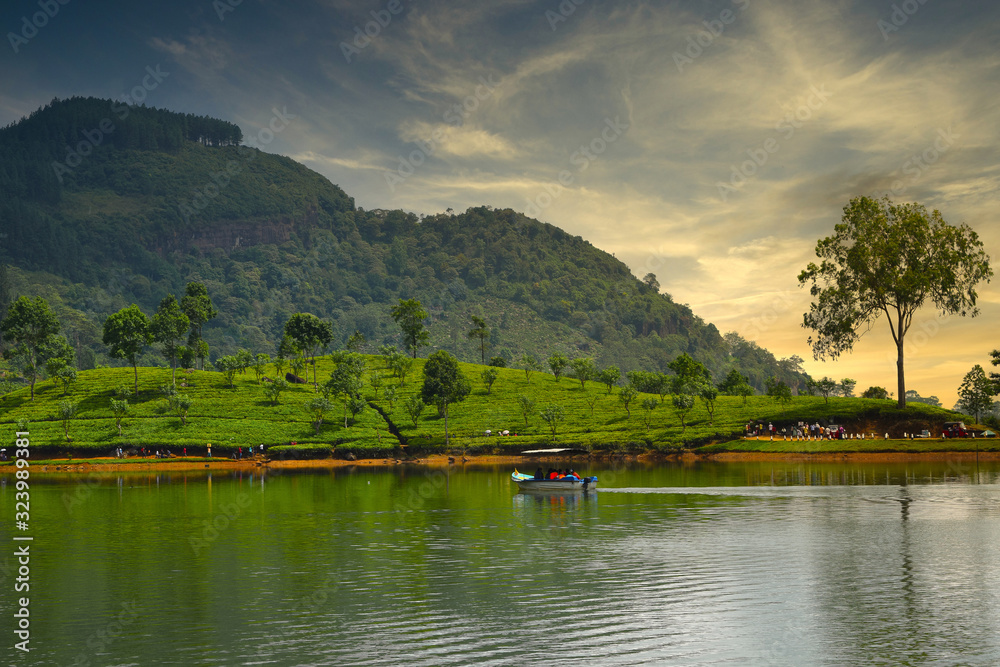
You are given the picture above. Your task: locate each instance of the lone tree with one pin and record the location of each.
(610, 377)
(888, 259)
(826, 387)
(490, 376)
(27, 328)
(119, 408)
(310, 334)
(975, 395)
(444, 384)
(347, 379)
(558, 363)
(168, 327)
(530, 365)
(584, 369)
(410, 316)
(552, 415)
(479, 331)
(197, 305)
(127, 333)
(736, 384)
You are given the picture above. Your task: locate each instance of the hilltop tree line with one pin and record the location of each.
(89, 126)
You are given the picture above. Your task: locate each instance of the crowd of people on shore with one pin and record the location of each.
(800, 431)
(238, 454)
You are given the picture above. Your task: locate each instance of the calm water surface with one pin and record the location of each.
(706, 564)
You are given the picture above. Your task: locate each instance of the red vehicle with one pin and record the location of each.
(955, 430)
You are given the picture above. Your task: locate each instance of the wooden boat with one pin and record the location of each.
(564, 485)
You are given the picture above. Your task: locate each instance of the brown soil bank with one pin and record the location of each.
(877, 457)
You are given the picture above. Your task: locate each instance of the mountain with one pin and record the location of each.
(104, 205)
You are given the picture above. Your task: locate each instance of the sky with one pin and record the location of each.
(710, 143)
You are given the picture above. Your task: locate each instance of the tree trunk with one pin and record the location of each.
(445, 424)
(899, 373)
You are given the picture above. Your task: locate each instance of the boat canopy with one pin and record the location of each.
(549, 452)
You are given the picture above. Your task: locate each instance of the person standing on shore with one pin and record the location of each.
(209, 450)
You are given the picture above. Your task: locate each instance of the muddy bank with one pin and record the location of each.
(110, 465)
(868, 457)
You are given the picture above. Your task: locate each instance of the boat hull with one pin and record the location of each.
(570, 485)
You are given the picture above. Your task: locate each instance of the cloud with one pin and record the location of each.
(459, 141)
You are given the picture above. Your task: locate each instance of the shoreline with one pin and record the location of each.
(852, 457)
(49, 466)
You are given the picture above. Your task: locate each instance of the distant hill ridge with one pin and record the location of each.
(166, 198)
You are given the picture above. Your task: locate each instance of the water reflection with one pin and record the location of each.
(698, 563)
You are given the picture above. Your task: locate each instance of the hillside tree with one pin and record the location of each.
(609, 377)
(481, 333)
(558, 363)
(197, 305)
(530, 365)
(825, 386)
(168, 327)
(490, 376)
(552, 415)
(311, 335)
(975, 395)
(410, 316)
(584, 369)
(127, 333)
(889, 259)
(27, 329)
(444, 384)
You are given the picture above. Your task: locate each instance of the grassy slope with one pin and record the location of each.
(242, 416)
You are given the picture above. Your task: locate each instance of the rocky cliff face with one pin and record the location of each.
(239, 234)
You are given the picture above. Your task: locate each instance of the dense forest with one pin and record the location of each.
(104, 205)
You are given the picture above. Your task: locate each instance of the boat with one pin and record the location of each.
(564, 485)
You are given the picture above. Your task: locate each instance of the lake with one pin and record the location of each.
(668, 564)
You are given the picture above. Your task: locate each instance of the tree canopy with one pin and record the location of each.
(168, 327)
(889, 259)
(975, 395)
(310, 334)
(29, 326)
(410, 316)
(127, 333)
(444, 383)
(479, 332)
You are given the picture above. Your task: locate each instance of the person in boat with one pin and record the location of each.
(553, 473)
(573, 473)
(539, 474)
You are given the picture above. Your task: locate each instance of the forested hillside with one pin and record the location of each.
(103, 205)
